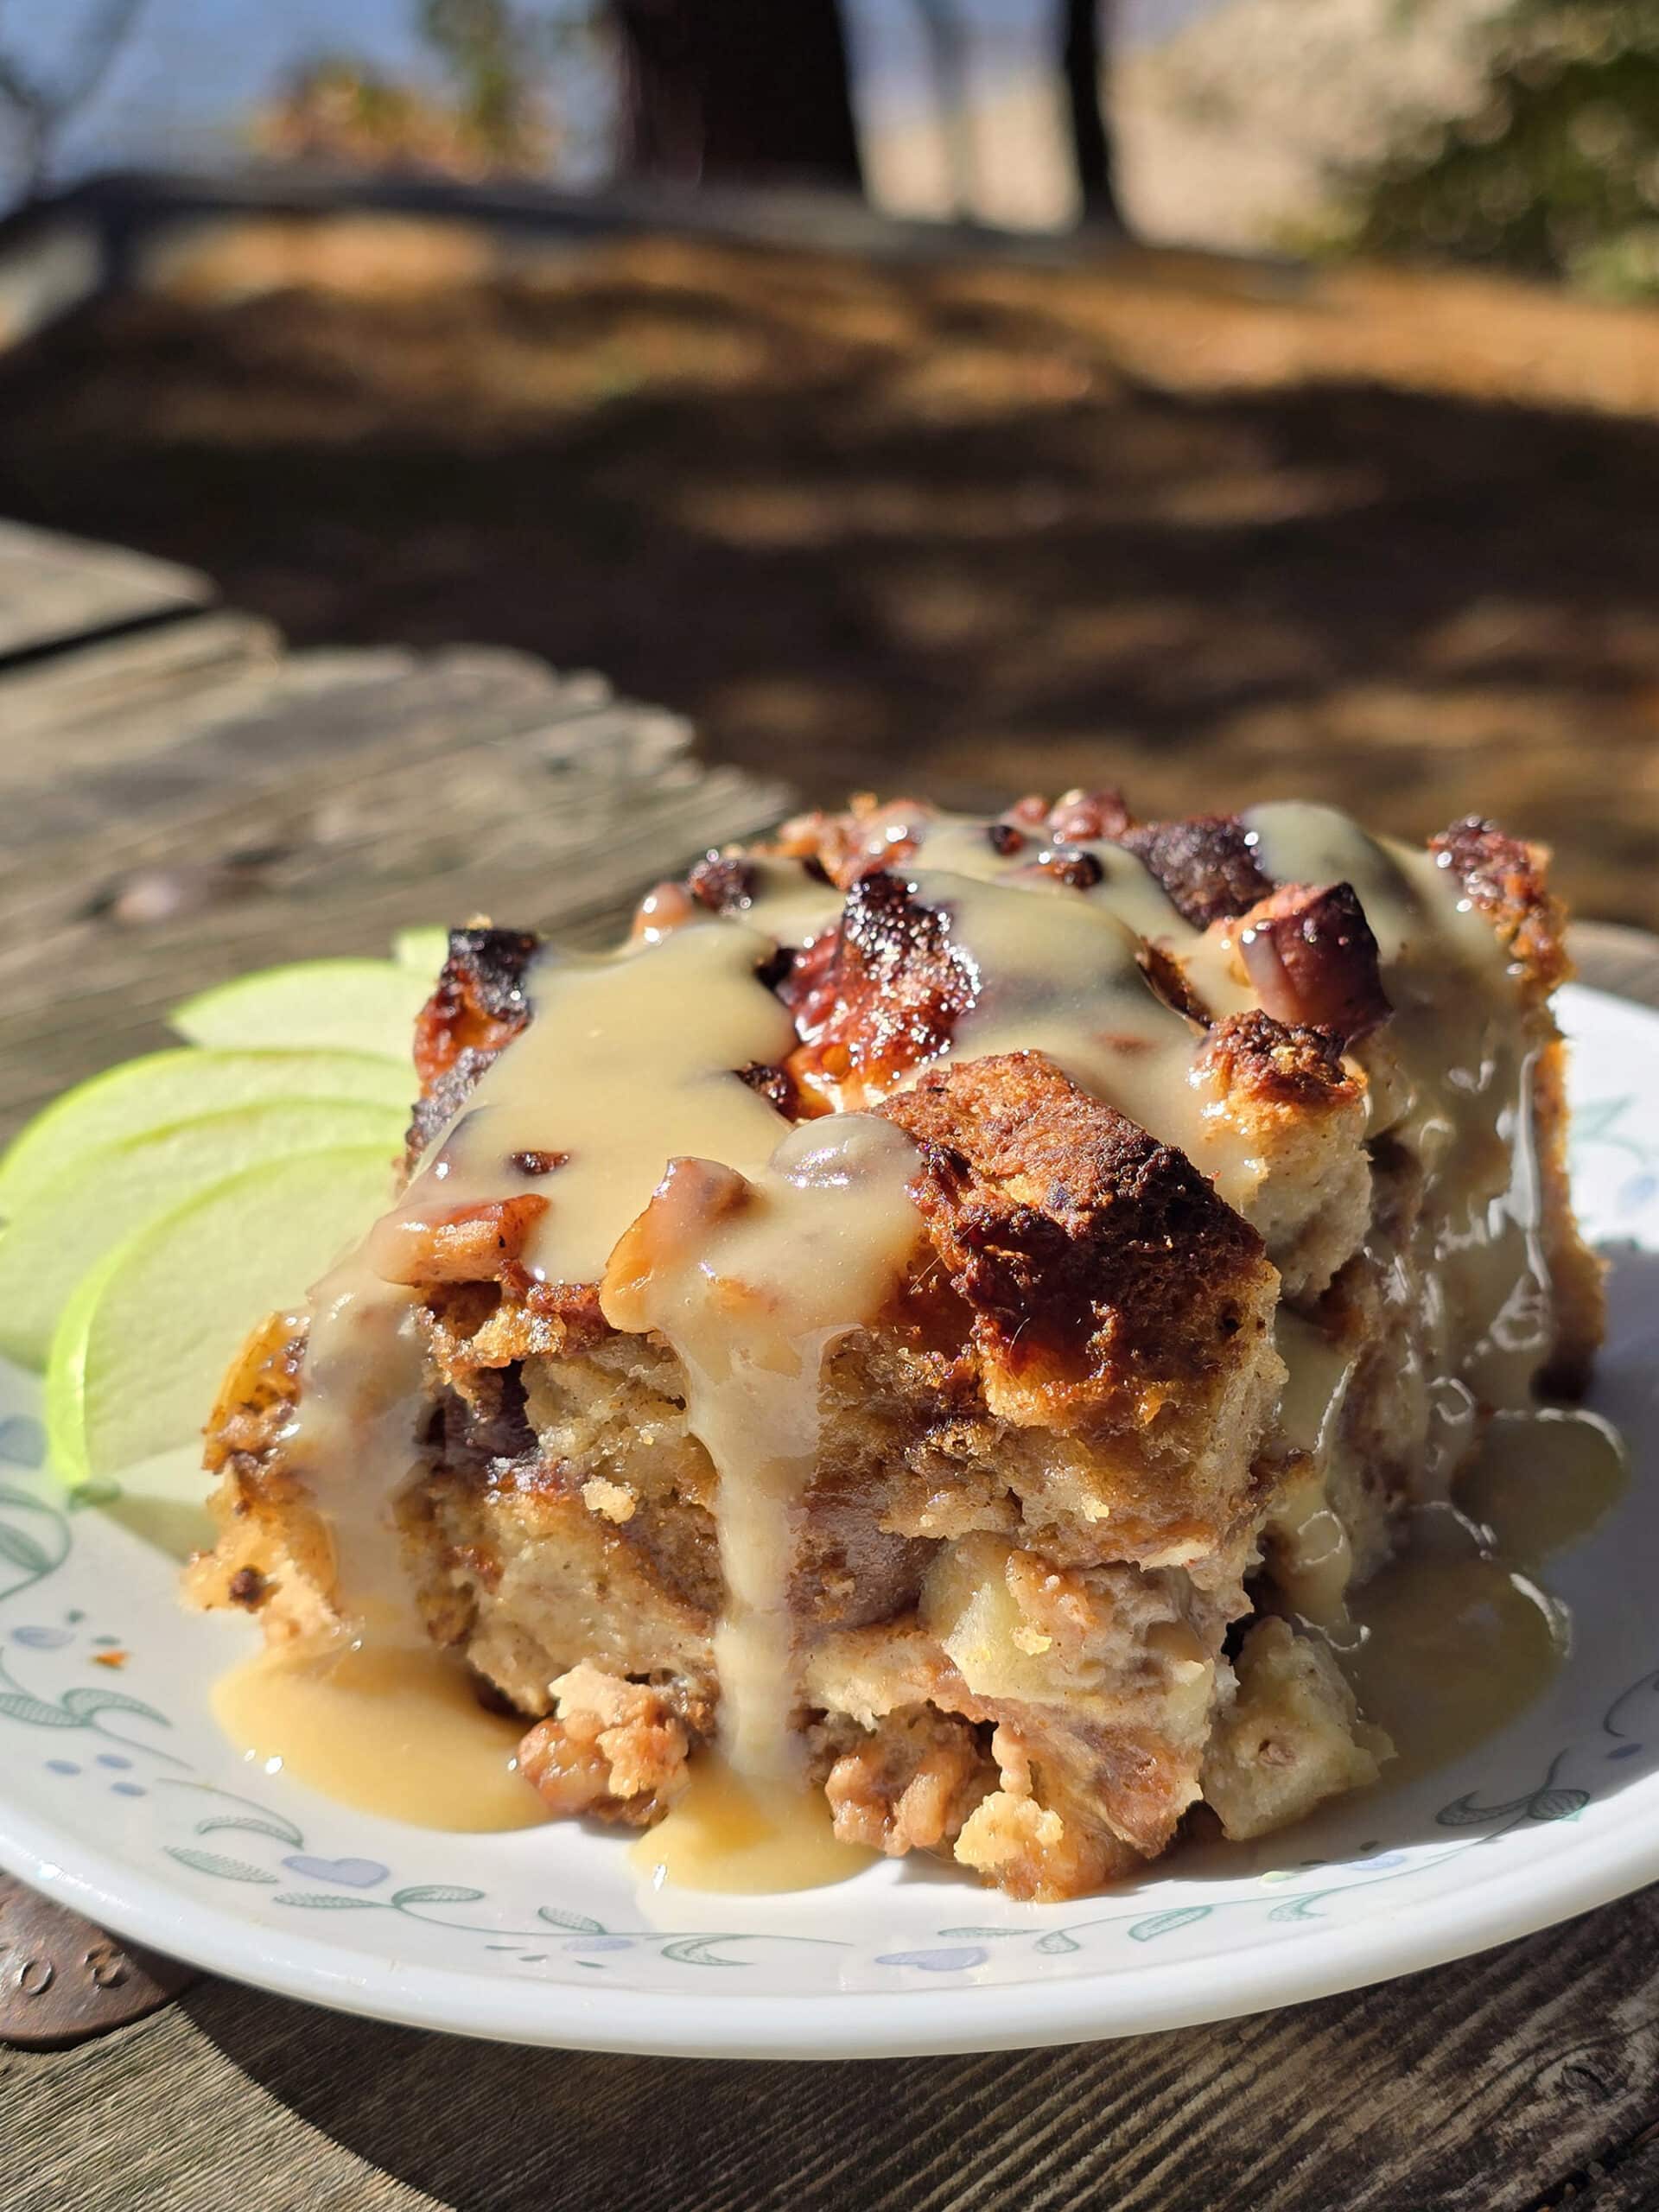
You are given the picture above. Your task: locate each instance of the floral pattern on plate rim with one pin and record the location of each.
(114, 1733)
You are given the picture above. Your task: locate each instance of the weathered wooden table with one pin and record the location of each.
(179, 800)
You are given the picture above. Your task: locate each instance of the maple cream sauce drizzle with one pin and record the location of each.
(1060, 974)
(753, 1287)
(630, 1060)
(788, 905)
(1448, 1082)
(629, 1063)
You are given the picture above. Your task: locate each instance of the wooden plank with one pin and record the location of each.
(411, 713)
(143, 692)
(1483, 2087)
(1631, 2185)
(110, 986)
(342, 796)
(53, 590)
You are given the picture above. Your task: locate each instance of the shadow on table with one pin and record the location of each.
(1251, 2115)
(484, 2128)
(866, 531)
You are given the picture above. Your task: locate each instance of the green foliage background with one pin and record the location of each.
(1555, 173)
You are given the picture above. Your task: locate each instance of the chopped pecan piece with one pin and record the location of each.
(538, 1163)
(1081, 817)
(615, 1750)
(1078, 871)
(664, 908)
(775, 1085)
(883, 995)
(723, 883)
(909, 1784)
(476, 1243)
(1207, 865)
(1309, 951)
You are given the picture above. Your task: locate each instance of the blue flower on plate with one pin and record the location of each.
(953, 1959)
(355, 1873)
(23, 1441)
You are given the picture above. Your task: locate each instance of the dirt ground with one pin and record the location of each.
(1212, 534)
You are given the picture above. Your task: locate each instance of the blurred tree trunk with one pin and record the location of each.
(942, 30)
(738, 90)
(1082, 55)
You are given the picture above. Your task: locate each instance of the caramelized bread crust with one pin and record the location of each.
(1102, 1271)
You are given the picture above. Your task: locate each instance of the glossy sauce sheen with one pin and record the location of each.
(752, 1286)
(392, 1731)
(763, 1246)
(733, 1832)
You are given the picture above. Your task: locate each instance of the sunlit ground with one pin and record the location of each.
(1211, 533)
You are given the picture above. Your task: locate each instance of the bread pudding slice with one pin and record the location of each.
(944, 1316)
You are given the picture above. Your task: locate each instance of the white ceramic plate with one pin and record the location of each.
(118, 1795)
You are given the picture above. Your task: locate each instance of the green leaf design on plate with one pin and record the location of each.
(17, 1705)
(84, 1702)
(579, 1924)
(211, 1862)
(694, 1951)
(255, 1824)
(1300, 1908)
(1557, 1804)
(1464, 1813)
(1597, 1118)
(1057, 1940)
(10, 1494)
(323, 1901)
(1166, 1924)
(434, 1893)
(979, 1934)
(24, 1550)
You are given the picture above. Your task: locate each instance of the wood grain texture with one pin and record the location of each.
(252, 808)
(1482, 2087)
(56, 588)
(321, 800)
(1630, 2184)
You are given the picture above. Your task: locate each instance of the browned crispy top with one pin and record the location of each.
(1278, 1064)
(1088, 1252)
(1507, 879)
(479, 1004)
(877, 997)
(479, 1001)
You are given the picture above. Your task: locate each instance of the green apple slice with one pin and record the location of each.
(366, 1006)
(424, 950)
(66, 1225)
(144, 1342)
(162, 1088)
